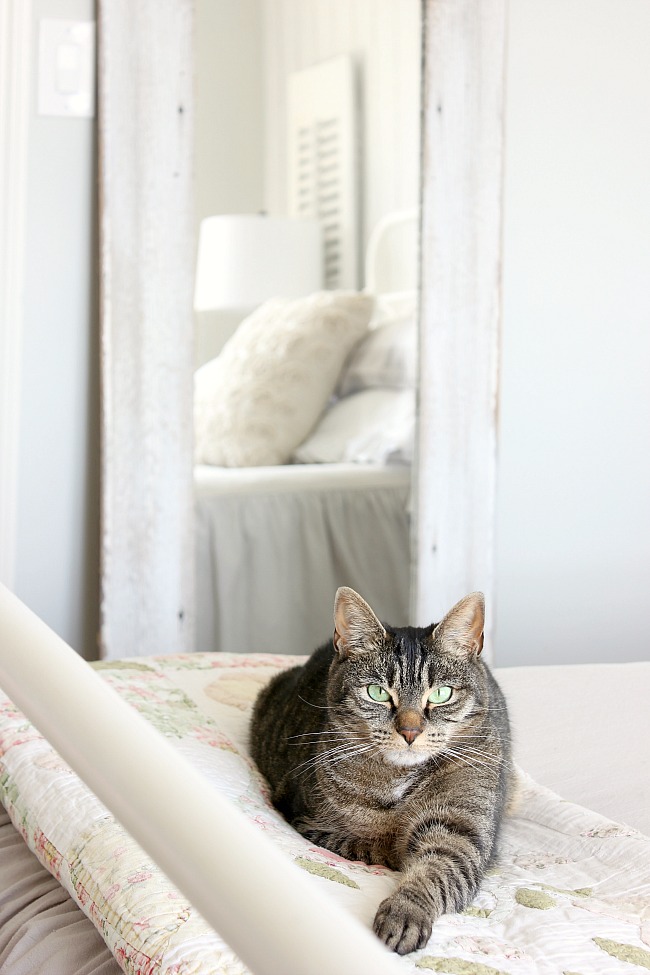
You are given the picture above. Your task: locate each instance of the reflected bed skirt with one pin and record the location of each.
(273, 544)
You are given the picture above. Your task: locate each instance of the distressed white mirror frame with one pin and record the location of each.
(460, 303)
(147, 261)
(146, 286)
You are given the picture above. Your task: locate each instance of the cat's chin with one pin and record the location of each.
(404, 757)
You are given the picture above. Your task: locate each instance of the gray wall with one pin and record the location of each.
(58, 506)
(573, 537)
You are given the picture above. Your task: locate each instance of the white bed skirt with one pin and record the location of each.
(273, 544)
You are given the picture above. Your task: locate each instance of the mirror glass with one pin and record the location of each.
(307, 148)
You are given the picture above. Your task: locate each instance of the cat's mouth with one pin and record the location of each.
(405, 756)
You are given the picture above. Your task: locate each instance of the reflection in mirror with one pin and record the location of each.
(307, 183)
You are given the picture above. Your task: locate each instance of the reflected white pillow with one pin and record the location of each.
(387, 356)
(262, 395)
(374, 426)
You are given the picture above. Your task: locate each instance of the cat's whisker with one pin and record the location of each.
(359, 750)
(333, 756)
(481, 762)
(318, 735)
(468, 745)
(310, 734)
(344, 744)
(472, 760)
(484, 757)
(346, 758)
(322, 757)
(445, 754)
(497, 760)
(466, 761)
(323, 707)
(329, 741)
(473, 750)
(462, 737)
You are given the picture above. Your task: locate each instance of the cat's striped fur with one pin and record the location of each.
(415, 785)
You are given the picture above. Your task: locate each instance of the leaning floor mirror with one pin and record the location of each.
(291, 370)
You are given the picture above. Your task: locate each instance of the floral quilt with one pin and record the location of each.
(569, 895)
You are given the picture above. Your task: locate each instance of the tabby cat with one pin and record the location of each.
(392, 745)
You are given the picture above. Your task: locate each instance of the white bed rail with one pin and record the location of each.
(265, 908)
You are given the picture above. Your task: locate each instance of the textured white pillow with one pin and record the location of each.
(387, 355)
(262, 395)
(374, 426)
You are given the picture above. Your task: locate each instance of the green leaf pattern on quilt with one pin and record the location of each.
(534, 898)
(324, 870)
(457, 966)
(629, 953)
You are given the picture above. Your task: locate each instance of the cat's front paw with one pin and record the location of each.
(403, 925)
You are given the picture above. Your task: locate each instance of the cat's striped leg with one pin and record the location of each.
(442, 868)
(342, 843)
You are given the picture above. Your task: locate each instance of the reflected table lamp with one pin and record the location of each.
(243, 259)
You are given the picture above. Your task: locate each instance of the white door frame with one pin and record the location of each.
(16, 66)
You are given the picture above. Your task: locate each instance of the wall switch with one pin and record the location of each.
(66, 68)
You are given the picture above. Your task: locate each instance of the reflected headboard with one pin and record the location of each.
(392, 253)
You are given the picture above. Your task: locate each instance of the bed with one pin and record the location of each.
(304, 431)
(570, 892)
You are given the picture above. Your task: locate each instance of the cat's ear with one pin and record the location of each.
(356, 628)
(461, 631)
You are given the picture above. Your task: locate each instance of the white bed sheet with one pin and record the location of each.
(212, 481)
(584, 731)
(273, 544)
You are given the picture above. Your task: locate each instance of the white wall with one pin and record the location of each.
(228, 131)
(57, 519)
(573, 535)
(384, 36)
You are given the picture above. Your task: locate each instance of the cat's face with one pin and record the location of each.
(407, 694)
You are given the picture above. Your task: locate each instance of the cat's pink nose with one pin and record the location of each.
(410, 734)
(409, 724)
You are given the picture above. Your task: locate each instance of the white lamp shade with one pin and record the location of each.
(245, 259)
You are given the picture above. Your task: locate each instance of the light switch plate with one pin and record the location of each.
(66, 68)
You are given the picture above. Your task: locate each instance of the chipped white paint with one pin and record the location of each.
(147, 262)
(461, 302)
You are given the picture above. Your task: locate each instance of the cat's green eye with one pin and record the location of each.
(440, 695)
(378, 693)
